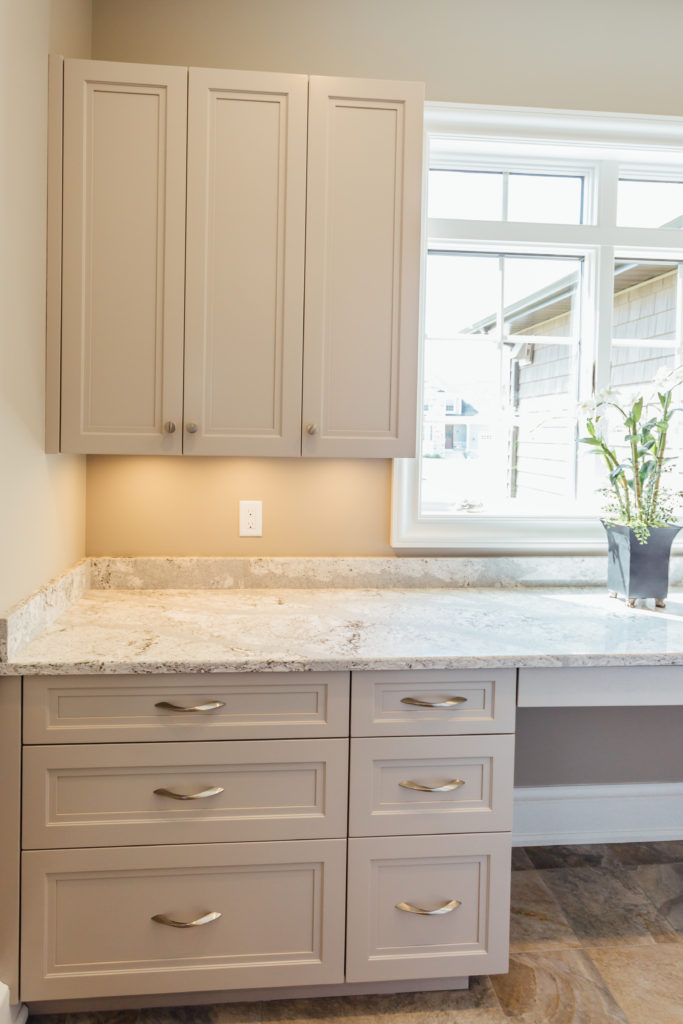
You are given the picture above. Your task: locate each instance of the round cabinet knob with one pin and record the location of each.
(191, 428)
(312, 428)
(170, 427)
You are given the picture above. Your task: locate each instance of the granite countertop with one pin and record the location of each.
(323, 628)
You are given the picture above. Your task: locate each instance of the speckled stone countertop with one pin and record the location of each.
(217, 630)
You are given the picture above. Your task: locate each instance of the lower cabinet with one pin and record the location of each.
(428, 906)
(115, 922)
(190, 834)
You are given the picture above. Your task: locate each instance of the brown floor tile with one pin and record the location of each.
(536, 920)
(520, 859)
(213, 1013)
(476, 1005)
(647, 983)
(663, 883)
(594, 856)
(607, 907)
(561, 987)
(632, 854)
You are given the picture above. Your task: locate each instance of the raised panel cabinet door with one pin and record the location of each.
(362, 267)
(246, 207)
(110, 922)
(428, 906)
(123, 264)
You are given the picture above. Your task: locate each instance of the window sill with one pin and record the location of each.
(484, 535)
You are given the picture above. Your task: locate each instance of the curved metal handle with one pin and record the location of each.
(450, 702)
(191, 428)
(170, 427)
(446, 788)
(212, 705)
(207, 918)
(311, 428)
(445, 909)
(214, 791)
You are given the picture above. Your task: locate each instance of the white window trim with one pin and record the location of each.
(583, 136)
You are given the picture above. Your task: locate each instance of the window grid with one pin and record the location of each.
(596, 241)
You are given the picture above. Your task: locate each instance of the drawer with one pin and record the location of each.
(88, 928)
(433, 703)
(467, 784)
(240, 705)
(466, 876)
(626, 686)
(107, 794)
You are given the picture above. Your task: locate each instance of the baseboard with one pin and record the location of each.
(548, 815)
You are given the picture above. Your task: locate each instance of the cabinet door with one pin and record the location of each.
(123, 257)
(362, 267)
(245, 262)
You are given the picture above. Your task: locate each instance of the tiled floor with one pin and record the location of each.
(596, 938)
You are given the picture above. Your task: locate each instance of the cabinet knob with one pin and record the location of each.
(311, 428)
(191, 428)
(170, 427)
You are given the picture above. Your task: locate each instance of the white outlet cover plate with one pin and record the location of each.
(251, 518)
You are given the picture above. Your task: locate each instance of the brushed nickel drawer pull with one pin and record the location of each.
(213, 705)
(445, 909)
(449, 702)
(446, 788)
(207, 918)
(214, 791)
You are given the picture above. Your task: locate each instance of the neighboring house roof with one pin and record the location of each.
(555, 300)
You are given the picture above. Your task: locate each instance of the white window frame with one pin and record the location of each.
(602, 147)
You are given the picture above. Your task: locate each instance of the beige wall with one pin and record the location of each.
(42, 498)
(161, 506)
(593, 54)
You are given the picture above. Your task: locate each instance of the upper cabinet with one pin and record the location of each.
(362, 267)
(188, 227)
(123, 257)
(246, 209)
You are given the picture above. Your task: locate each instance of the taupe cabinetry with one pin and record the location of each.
(237, 241)
(189, 833)
(438, 903)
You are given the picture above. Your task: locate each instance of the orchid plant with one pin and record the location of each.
(636, 497)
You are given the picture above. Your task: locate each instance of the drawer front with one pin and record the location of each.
(88, 928)
(626, 686)
(466, 785)
(240, 705)
(431, 873)
(433, 703)
(109, 794)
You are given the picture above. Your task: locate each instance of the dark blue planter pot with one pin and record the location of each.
(639, 570)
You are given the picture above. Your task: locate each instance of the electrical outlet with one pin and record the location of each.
(251, 519)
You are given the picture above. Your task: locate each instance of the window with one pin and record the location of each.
(551, 269)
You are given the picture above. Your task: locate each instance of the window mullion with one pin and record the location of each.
(602, 359)
(607, 186)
